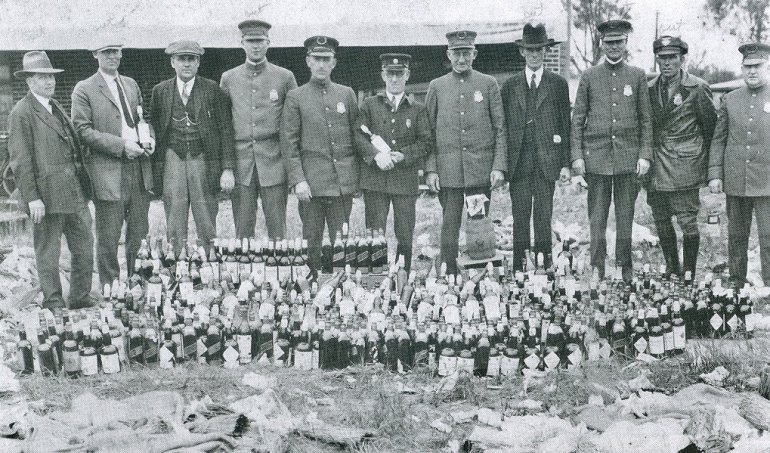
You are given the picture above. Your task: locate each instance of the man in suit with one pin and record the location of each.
(257, 90)
(683, 119)
(739, 161)
(390, 176)
(612, 144)
(320, 146)
(192, 123)
(465, 113)
(104, 111)
(537, 107)
(47, 161)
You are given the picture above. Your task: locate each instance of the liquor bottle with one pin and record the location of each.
(141, 255)
(271, 264)
(257, 260)
(344, 346)
(482, 355)
(167, 350)
(447, 363)
(24, 348)
(363, 264)
(70, 351)
(213, 346)
(303, 357)
(338, 254)
(144, 138)
(327, 256)
(135, 345)
(244, 261)
(189, 340)
(284, 264)
(150, 345)
(243, 335)
(351, 252)
(299, 267)
(657, 346)
(89, 361)
(230, 354)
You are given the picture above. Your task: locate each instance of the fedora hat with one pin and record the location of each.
(35, 62)
(534, 37)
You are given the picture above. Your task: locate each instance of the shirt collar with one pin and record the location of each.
(538, 75)
(107, 77)
(180, 84)
(397, 97)
(45, 101)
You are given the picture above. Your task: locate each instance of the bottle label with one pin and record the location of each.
(177, 338)
(303, 360)
(207, 274)
(190, 350)
(213, 349)
(732, 322)
(299, 272)
(186, 290)
(71, 361)
(230, 357)
(154, 291)
(575, 359)
(136, 353)
(421, 357)
(166, 358)
(244, 348)
(280, 355)
(431, 361)
(89, 365)
(751, 321)
(446, 365)
(640, 345)
(232, 268)
(668, 340)
(493, 367)
(150, 351)
(551, 361)
(284, 273)
(680, 337)
(716, 321)
(605, 350)
(465, 364)
(657, 345)
(258, 271)
(532, 361)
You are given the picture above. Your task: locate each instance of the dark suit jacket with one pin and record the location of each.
(96, 115)
(552, 121)
(41, 153)
(405, 130)
(212, 112)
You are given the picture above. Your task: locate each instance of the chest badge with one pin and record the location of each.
(408, 123)
(341, 107)
(766, 108)
(273, 95)
(627, 90)
(678, 99)
(478, 97)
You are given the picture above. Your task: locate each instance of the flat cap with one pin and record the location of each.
(461, 39)
(754, 53)
(669, 45)
(321, 46)
(614, 30)
(254, 29)
(395, 61)
(184, 47)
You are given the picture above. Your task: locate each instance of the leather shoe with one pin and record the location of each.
(627, 273)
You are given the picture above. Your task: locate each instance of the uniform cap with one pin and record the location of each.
(754, 53)
(254, 29)
(669, 45)
(461, 39)
(395, 61)
(615, 30)
(101, 47)
(321, 46)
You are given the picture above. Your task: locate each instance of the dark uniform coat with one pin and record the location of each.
(683, 128)
(611, 121)
(465, 113)
(405, 130)
(212, 112)
(739, 150)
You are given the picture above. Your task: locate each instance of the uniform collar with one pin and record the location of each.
(613, 64)
(319, 84)
(463, 75)
(256, 66)
(405, 98)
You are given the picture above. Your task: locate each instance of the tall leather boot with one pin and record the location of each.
(671, 255)
(690, 246)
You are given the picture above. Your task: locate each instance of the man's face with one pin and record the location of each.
(321, 67)
(533, 57)
(109, 59)
(755, 75)
(186, 66)
(670, 64)
(256, 48)
(42, 84)
(461, 59)
(395, 81)
(615, 49)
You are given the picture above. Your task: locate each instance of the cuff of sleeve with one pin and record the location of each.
(715, 173)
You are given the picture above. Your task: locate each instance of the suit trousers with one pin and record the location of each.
(739, 210)
(320, 212)
(132, 208)
(46, 237)
(531, 190)
(603, 189)
(377, 205)
(684, 204)
(452, 201)
(185, 186)
(273, 207)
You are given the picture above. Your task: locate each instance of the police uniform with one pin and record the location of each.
(319, 146)
(683, 123)
(611, 131)
(740, 159)
(403, 125)
(257, 92)
(465, 113)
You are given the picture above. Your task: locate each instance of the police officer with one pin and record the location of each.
(390, 177)
(320, 146)
(465, 113)
(683, 121)
(739, 161)
(257, 90)
(612, 143)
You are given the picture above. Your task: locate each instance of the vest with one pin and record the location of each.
(184, 137)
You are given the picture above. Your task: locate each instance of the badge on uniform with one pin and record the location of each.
(273, 95)
(477, 96)
(766, 108)
(556, 138)
(678, 99)
(627, 90)
(341, 107)
(408, 123)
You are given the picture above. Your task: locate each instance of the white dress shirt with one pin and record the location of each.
(45, 101)
(538, 75)
(395, 99)
(180, 85)
(128, 133)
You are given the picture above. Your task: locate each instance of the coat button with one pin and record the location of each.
(335, 161)
(614, 104)
(614, 89)
(329, 125)
(462, 80)
(392, 120)
(751, 106)
(613, 137)
(462, 96)
(748, 146)
(749, 132)
(748, 160)
(465, 149)
(614, 120)
(393, 142)
(462, 113)
(327, 108)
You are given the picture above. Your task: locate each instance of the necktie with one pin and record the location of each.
(126, 111)
(533, 84)
(185, 92)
